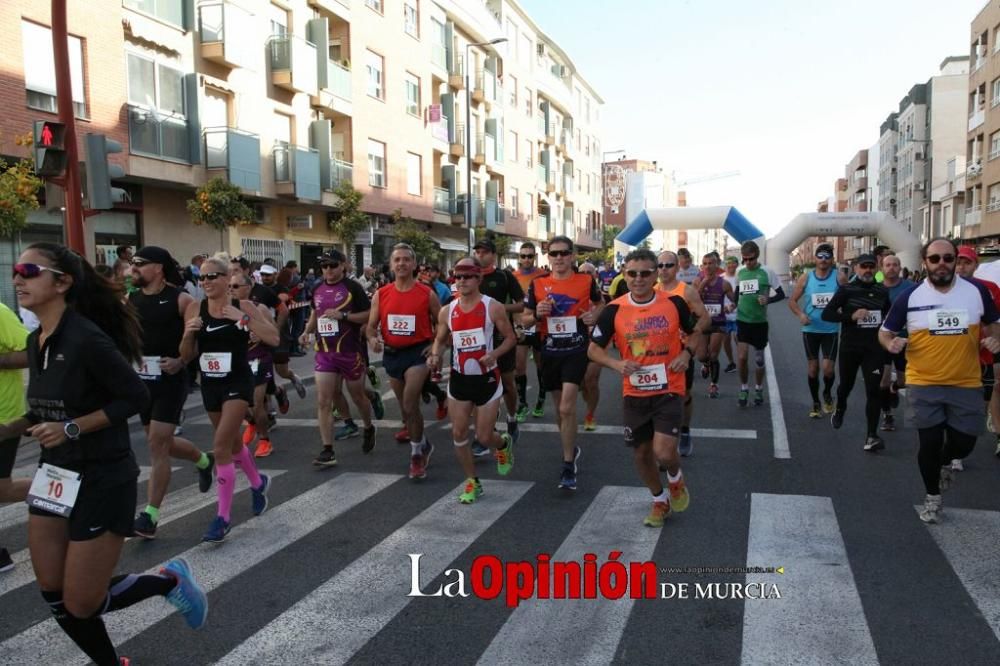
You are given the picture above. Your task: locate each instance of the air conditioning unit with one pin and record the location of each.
(918, 187)
(540, 49)
(563, 70)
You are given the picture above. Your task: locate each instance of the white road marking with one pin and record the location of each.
(819, 617)
(781, 449)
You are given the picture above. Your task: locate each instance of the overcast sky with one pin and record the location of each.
(784, 91)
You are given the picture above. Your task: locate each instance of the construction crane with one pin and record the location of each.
(703, 179)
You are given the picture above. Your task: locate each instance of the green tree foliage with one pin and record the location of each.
(219, 204)
(348, 220)
(502, 242)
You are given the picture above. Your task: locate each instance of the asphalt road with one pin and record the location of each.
(323, 576)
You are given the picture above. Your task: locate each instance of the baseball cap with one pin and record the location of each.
(268, 269)
(866, 259)
(966, 252)
(332, 257)
(155, 255)
(485, 244)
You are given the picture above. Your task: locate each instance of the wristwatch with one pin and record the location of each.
(72, 430)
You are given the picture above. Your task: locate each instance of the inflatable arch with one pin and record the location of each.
(682, 219)
(877, 223)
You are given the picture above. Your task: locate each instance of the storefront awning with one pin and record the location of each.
(451, 244)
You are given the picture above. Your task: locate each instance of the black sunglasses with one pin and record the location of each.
(560, 253)
(210, 276)
(642, 274)
(939, 258)
(527, 256)
(28, 271)
(334, 264)
(753, 258)
(137, 262)
(465, 276)
(665, 265)
(237, 286)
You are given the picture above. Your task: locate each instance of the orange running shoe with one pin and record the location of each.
(264, 449)
(249, 434)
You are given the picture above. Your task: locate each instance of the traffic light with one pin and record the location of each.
(50, 148)
(99, 173)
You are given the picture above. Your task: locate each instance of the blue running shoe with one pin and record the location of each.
(187, 596)
(345, 431)
(259, 496)
(217, 531)
(568, 478)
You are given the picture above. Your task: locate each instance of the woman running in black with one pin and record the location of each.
(81, 393)
(218, 330)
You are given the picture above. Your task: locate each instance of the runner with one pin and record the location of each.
(687, 272)
(81, 393)
(475, 381)
(732, 263)
(714, 292)
(13, 358)
(527, 340)
(647, 327)
(563, 304)
(160, 308)
(889, 389)
(754, 284)
(281, 354)
(605, 276)
(592, 379)
(670, 284)
(860, 307)
(340, 308)
(401, 323)
(818, 335)
(217, 331)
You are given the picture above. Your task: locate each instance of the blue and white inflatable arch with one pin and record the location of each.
(684, 219)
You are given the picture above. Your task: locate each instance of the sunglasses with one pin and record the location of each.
(934, 258)
(210, 276)
(824, 255)
(754, 258)
(868, 266)
(237, 286)
(560, 253)
(665, 265)
(642, 274)
(138, 262)
(335, 264)
(29, 271)
(527, 256)
(465, 276)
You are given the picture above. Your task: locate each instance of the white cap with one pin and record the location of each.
(268, 269)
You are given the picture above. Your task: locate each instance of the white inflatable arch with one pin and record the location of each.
(878, 223)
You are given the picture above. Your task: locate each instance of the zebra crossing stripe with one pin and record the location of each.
(581, 631)
(247, 545)
(17, 513)
(969, 538)
(177, 505)
(819, 618)
(339, 620)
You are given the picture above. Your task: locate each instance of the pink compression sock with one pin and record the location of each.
(245, 462)
(225, 480)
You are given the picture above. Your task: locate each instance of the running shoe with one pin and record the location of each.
(888, 422)
(403, 436)
(478, 450)
(828, 404)
(744, 397)
(373, 377)
(187, 596)
(264, 449)
(873, 443)
(346, 431)
(568, 478)
(730, 368)
(713, 391)
(378, 408)
(505, 456)
(326, 458)
(758, 397)
(704, 370)
(473, 490)
(685, 446)
(589, 422)
(205, 475)
(539, 410)
(6, 564)
(281, 395)
(815, 412)
(442, 410)
(217, 531)
(657, 514)
(144, 526)
(249, 434)
(679, 495)
(417, 470)
(522, 412)
(300, 388)
(947, 479)
(957, 466)
(513, 430)
(837, 419)
(932, 509)
(258, 496)
(368, 444)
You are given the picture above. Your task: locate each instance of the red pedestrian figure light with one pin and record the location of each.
(46, 135)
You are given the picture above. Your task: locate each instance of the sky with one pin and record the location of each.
(785, 92)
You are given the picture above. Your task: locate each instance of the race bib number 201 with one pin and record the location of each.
(469, 340)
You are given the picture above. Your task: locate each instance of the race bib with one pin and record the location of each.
(402, 324)
(821, 300)
(149, 367)
(948, 322)
(216, 365)
(650, 377)
(749, 286)
(561, 327)
(327, 327)
(472, 339)
(254, 365)
(714, 309)
(871, 320)
(54, 490)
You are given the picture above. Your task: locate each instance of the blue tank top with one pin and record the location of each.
(817, 294)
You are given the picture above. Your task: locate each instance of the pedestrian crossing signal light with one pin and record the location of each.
(99, 173)
(50, 148)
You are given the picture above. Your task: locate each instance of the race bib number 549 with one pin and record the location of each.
(948, 322)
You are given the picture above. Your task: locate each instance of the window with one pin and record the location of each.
(170, 11)
(513, 202)
(511, 86)
(528, 149)
(579, 181)
(373, 63)
(512, 142)
(527, 49)
(411, 20)
(586, 107)
(412, 94)
(995, 145)
(528, 110)
(157, 122)
(996, 92)
(374, 4)
(413, 174)
(281, 129)
(376, 163)
(40, 69)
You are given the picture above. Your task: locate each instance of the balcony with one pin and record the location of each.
(293, 64)
(340, 8)
(479, 155)
(540, 124)
(550, 134)
(973, 215)
(550, 181)
(296, 172)
(457, 146)
(977, 119)
(541, 175)
(442, 201)
(222, 30)
(456, 77)
(568, 186)
(336, 93)
(439, 130)
(589, 239)
(566, 141)
(491, 215)
(340, 172)
(154, 135)
(237, 152)
(439, 56)
(478, 89)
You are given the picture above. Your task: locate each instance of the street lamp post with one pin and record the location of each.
(468, 140)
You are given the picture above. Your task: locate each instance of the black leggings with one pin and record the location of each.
(869, 360)
(939, 445)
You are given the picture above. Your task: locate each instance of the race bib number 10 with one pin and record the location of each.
(948, 322)
(402, 324)
(54, 489)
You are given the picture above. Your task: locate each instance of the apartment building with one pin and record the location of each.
(982, 173)
(289, 98)
(888, 144)
(858, 196)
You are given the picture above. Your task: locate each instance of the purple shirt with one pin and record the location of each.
(347, 296)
